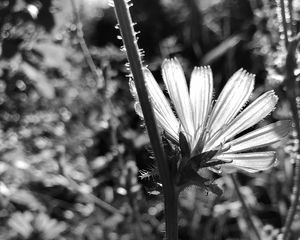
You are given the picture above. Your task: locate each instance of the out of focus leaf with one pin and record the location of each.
(54, 54)
(29, 225)
(40, 81)
(221, 49)
(50, 228)
(25, 198)
(21, 223)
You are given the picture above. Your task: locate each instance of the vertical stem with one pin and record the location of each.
(133, 200)
(284, 22)
(134, 58)
(292, 22)
(74, 186)
(245, 207)
(290, 82)
(295, 200)
(85, 50)
(97, 74)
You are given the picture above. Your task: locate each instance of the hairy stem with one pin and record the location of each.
(134, 58)
(245, 207)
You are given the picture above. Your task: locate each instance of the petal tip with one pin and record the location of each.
(165, 62)
(147, 73)
(272, 95)
(171, 63)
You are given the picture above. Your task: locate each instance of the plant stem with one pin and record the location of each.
(85, 50)
(134, 58)
(75, 187)
(294, 199)
(284, 22)
(98, 78)
(131, 181)
(245, 207)
(290, 82)
(292, 22)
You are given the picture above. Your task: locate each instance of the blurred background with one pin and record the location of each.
(72, 149)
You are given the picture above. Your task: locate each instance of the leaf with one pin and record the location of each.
(50, 228)
(221, 49)
(21, 223)
(184, 146)
(201, 159)
(54, 54)
(25, 198)
(39, 80)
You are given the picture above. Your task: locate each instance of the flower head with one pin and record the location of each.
(209, 129)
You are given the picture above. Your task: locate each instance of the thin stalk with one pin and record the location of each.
(74, 185)
(292, 22)
(132, 197)
(245, 207)
(295, 201)
(284, 22)
(98, 78)
(134, 58)
(290, 82)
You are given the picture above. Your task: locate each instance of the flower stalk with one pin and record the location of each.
(134, 57)
(287, 28)
(290, 82)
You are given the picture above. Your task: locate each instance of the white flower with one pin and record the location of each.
(212, 127)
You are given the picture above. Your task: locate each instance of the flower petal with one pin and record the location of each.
(175, 82)
(261, 137)
(232, 98)
(201, 92)
(255, 112)
(249, 162)
(163, 111)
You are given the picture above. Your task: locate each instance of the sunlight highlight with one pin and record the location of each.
(212, 127)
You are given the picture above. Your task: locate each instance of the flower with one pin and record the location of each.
(211, 128)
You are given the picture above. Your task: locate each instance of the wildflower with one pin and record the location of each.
(204, 131)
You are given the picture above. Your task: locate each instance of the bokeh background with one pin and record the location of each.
(72, 149)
